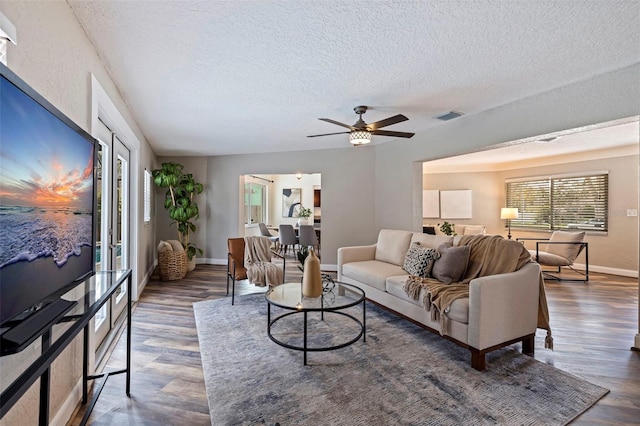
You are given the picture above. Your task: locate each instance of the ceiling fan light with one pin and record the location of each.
(360, 137)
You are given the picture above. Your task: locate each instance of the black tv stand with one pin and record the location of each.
(75, 308)
(29, 329)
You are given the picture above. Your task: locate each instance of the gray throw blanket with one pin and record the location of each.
(257, 259)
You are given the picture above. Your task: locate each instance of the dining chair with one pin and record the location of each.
(307, 237)
(288, 238)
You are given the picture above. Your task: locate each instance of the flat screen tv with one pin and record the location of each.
(47, 200)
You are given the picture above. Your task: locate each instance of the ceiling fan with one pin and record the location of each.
(360, 133)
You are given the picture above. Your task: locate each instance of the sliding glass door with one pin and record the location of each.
(113, 245)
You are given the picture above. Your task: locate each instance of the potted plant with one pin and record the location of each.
(179, 202)
(302, 254)
(304, 214)
(447, 228)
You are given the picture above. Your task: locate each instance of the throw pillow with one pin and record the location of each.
(452, 264)
(568, 251)
(473, 229)
(164, 246)
(419, 260)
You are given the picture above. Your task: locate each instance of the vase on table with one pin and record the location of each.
(311, 277)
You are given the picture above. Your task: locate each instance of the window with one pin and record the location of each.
(147, 196)
(255, 196)
(560, 202)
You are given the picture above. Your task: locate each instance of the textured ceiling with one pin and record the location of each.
(228, 77)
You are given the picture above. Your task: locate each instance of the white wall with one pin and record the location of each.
(54, 57)
(347, 195)
(486, 197)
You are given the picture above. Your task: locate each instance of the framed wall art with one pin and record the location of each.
(430, 203)
(455, 204)
(290, 202)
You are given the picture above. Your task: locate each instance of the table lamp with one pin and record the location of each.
(508, 214)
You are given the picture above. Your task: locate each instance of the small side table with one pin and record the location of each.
(342, 296)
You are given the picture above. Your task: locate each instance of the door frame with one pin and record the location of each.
(103, 109)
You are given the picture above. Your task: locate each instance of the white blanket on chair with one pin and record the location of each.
(257, 260)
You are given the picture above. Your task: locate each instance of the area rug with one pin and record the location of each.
(401, 375)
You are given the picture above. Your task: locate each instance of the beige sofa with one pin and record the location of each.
(500, 310)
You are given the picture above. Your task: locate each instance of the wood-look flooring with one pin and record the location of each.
(593, 326)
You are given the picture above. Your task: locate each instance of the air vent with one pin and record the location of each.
(449, 115)
(547, 140)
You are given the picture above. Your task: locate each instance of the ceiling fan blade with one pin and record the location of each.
(390, 133)
(387, 122)
(327, 134)
(328, 120)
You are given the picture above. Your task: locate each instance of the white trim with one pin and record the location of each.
(209, 261)
(636, 345)
(102, 107)
(8, 30)
(69, 406)
(147, 277)
(607, 270)
(557, 176)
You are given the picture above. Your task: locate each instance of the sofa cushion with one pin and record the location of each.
(473, 229)
(371, 272)
(419, 260)
(568, 251)
(452, 264)
(392, 246)
(550, 259)
(395, 287)
(431, 241)
(458, 310)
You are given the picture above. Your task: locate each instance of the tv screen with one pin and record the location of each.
(46, 199)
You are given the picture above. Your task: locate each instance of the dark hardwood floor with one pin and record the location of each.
(593, 326)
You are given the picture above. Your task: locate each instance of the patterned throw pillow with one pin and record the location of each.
(419, 260)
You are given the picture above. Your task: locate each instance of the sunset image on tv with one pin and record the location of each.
(46, 195)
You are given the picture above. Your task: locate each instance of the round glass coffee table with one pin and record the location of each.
(334, 301)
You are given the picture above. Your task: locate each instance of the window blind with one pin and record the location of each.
(566, 202)
(147, 196)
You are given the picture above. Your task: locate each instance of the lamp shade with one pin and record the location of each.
(360, 137)
(508, 213)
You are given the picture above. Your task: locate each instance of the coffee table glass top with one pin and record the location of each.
(289, 296)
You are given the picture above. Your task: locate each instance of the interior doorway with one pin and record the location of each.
(610, 147)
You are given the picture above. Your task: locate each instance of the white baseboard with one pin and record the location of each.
(146, 278)
(210, 261)
(68, 408)
(606, 270)
(636, 344)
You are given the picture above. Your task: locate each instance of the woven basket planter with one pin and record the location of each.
(173, 265)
